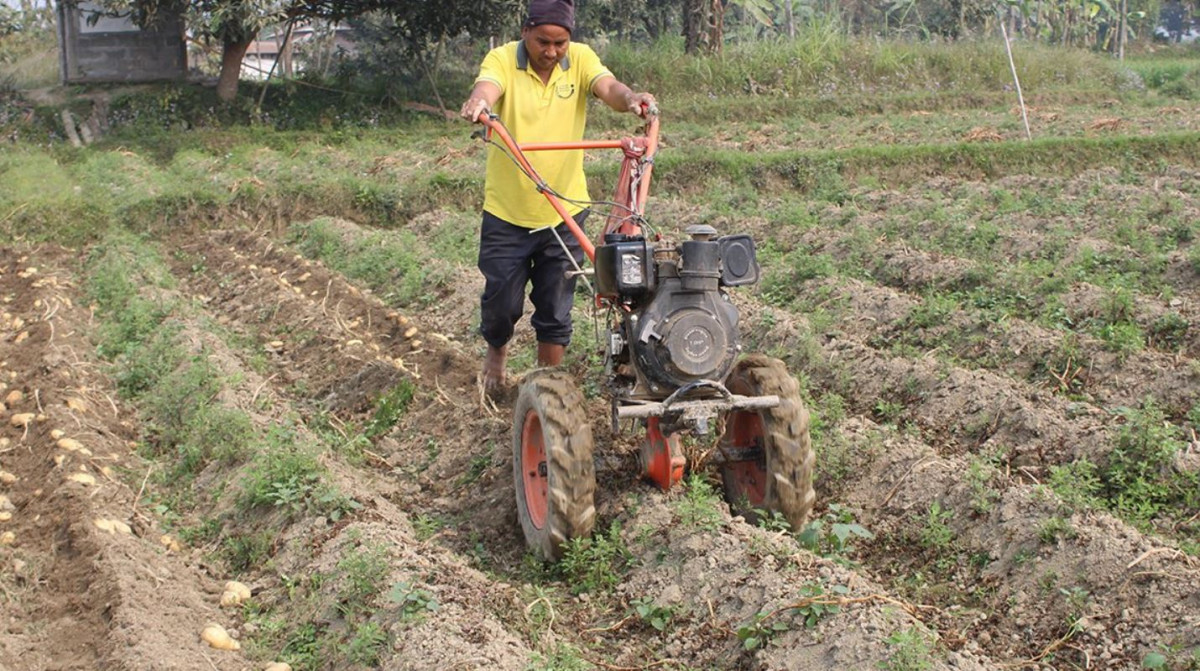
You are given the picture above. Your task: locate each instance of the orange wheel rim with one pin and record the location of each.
(533, 470)
(745, 431)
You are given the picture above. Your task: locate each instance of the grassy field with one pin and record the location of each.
(262, 325)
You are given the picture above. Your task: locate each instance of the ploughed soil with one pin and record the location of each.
(942, 460)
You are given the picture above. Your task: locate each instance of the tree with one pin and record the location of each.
(236, 23)
(703, 26)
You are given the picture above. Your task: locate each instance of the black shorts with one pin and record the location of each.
(512, 256)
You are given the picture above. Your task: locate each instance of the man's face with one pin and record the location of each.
(546, 44)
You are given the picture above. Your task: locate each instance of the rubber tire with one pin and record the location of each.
(790, 460)
(571, 474)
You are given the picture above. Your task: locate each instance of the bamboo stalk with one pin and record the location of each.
(1013, 66)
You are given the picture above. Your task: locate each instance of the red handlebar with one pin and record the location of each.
(635, 170)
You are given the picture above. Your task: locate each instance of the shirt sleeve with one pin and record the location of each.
(493, 70)
(590, 67)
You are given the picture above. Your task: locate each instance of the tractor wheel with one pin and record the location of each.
(553, 473)
(769, 457)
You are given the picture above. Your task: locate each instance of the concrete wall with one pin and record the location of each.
(115, 50)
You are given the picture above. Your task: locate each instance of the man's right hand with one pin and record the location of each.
(473, 108)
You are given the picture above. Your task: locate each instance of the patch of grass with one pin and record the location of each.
(1077, 483)
(909, 650)
(396, 265)
(699, 507)
(1053, 528)
(413, 602)
(285, 474)
(367, 645)
(1140, 481)
(478, 465)
(657, 617)
(562, 657)
(595, 564)
(936, 533)
(979, 477)
(389, 408)
(833, 534)
(361, 573)
(247, 551)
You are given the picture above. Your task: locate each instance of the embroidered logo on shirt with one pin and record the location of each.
(564, 90)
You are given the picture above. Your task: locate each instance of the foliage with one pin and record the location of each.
(286, 475)
(562, 657)
(361, 572)
(832, 535)
(936, 533)
(596, 563)
(389, 408)
(1053, 528)
(700, 505)
(658, 617)
(910, 650)
(814, 605)
(760, 630)
(412, 601)
(1140, 479)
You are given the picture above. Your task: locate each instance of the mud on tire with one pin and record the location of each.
(553, 472)
(780, 479)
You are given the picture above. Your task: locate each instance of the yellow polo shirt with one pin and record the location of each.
(535, 112)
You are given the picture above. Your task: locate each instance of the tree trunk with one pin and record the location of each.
(1124, 30)
(232, 54)
(790, 19)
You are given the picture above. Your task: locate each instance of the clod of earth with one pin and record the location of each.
(7, 478)
(15, 396)
(216, 636)
(8, 538)
(169, 543)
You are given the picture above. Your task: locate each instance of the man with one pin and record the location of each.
(539, 88)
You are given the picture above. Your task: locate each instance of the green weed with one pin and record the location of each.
(910, 650)
(248, 551)
(833, 534)
(814, 604)
(657, 617)
(367, 645)
(361, 572)
(936, 533)
(596, 563)
(699, 507)
(413, 602)
(389, 408)
(563, 657)
(1053, 528)
(285, 474)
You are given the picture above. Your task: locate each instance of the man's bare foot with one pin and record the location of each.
(493, 368)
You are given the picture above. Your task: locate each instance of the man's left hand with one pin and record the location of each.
(643, 104)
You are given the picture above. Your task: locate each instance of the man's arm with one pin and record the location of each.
(482, 98)
(622, 98)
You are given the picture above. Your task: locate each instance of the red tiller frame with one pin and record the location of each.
(635, 169)
(661, 455)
